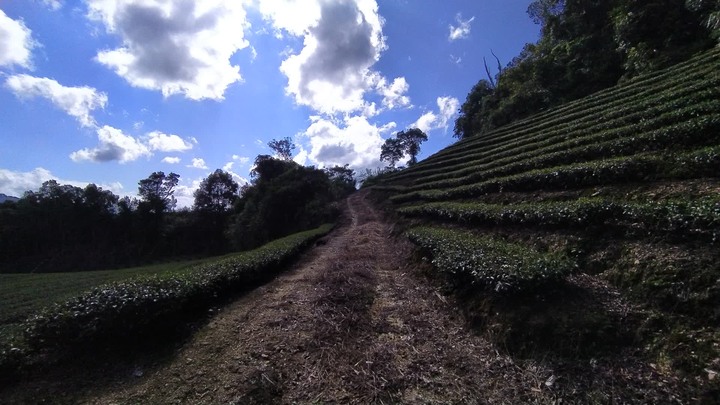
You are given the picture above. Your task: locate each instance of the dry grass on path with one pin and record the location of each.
(352, 322)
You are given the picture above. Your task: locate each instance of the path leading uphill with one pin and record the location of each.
(354, 321)
(350, 323)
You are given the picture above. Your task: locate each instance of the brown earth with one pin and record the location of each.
(356, 321)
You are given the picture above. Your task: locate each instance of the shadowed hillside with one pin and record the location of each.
(537, 226)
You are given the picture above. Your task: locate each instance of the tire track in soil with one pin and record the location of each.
(351, 322)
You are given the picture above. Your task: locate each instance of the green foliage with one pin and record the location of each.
(22, 294)
(637, 103)
(676, 218)
(342, 179)
(647, 152)
(157, 192)
(146, 304)
(217, 193)
(584, 47)
(489, 262)
(406, 142)
(643, 167)
(285, 198)
(392, 151)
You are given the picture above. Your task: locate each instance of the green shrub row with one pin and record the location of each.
(701, 129)
(700, 68)
(682, 86)
(124, 309)
(676, 217)
(641, 117)
(489, 262)
(686, 165)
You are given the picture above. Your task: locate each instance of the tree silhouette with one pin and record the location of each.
(282, 147)
(216, 193)
(406, 142)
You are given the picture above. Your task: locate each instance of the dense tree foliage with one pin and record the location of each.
(405, 143)
(586, 46)
(285, 198)
(67, 228)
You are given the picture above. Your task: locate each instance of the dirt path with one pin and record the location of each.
(354, 321)
(350, 323)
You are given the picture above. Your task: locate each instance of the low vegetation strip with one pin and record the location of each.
(681, 218)
(489, 262)
(687, 87)
(22, 294)
(644, 167)
(123, 309)
(698, 130)
(693, 109)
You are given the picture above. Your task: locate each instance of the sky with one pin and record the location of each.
(109, 91)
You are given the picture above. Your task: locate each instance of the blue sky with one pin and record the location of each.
(108, 91)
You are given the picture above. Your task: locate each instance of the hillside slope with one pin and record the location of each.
(619, 187)
(352, 322)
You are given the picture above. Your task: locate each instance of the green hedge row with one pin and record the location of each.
(700, 68)
(703, 128)
(677, 87)
(695, 164)
(488, 262)
(641, 117)
(128, 308)
(676, 217)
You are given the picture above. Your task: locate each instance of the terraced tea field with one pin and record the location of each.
(621, 187)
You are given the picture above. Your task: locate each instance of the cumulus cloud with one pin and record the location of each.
(173, 160)
(354, 141)
(462, 30)
(394, 93)
(78, 102)
(159, 141)
(198, 163)
(342, 40)
(16, 42)
(113, 145)
(426, 122)
(52, 4)
(447, 108)
(16, 183)
(175, 46)
(293, 16)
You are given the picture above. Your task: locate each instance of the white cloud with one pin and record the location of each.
(426, 122)
(114, 145)
(168, 143)
(447, 108)
(293, 16)
(462, 30)
(394, 94)
(78, 102)
(354, 141)
(175, 46)
(173, 160)
(198, 163)
(184, 194)
(241, 159)
(16, 42)
(17, 183)
(53, 4)
(341, 42)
